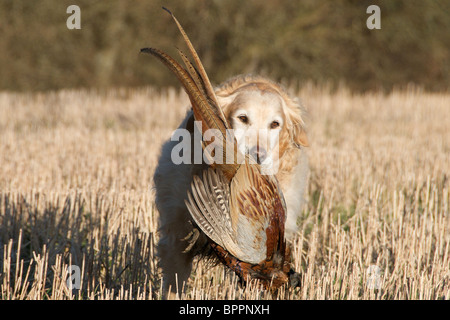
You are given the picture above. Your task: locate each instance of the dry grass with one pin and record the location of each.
(75, 189)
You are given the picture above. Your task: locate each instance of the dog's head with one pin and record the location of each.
(265, 120)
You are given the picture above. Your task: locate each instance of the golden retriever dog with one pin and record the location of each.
(258, 110)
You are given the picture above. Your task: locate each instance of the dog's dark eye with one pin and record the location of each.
(274, 125)
(243, 118)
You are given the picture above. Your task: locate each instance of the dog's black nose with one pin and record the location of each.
(259, 154)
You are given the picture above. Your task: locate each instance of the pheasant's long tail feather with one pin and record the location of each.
(200, 69)
(202, 108)
(205, 106)
(194, 73)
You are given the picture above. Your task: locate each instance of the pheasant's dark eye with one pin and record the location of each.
(243, 118)
(274, 125)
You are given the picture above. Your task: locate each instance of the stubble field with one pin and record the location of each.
(76, 172)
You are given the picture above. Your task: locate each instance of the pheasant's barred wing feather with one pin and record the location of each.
(201, 216)
(210, 213)
(245, 218)
(209, 205)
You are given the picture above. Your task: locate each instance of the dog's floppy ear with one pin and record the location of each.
(295, 124)
(299, 136)
(225, 102)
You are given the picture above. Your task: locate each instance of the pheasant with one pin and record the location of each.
(241, 210)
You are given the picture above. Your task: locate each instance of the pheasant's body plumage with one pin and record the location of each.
(241, 210)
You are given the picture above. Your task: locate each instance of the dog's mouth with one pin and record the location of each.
(263, 156)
